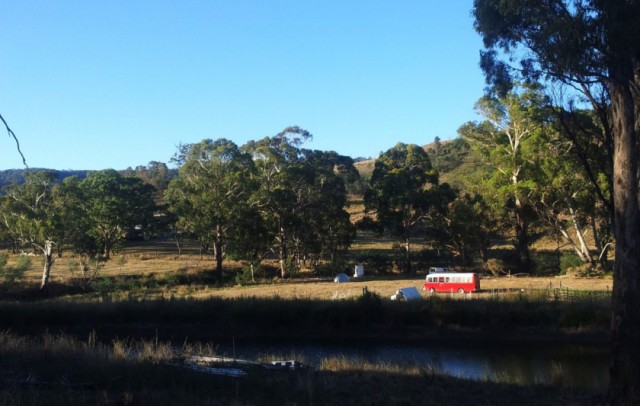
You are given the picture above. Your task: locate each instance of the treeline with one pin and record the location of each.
(17, 176)
(155, 173)
(267, 198)
(272, 198)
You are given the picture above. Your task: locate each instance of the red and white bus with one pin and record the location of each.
(452, 282)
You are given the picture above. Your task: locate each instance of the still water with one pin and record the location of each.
(565, 365)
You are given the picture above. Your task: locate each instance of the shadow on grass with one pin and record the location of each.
(58, 370)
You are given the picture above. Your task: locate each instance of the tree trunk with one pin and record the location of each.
(407, 255)
(522, 240)
(583, 252)
(108, 245)
(217, 248)
(283, 253)
(47, 250)
(625, 324)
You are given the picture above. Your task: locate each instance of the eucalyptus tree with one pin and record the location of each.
(76, 234)
(402, 190)
(275, 198)
(301, 196)
(114, 203)
(211, 194)
(463, 228)
(588, 48)
(507, 142)
(30, 214)
(565, 200)
(324, 228)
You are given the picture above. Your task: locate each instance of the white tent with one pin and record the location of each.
(410, 293)
(341, 278)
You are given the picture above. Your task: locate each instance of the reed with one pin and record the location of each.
(55, 369)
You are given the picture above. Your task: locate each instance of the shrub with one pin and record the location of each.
(102, 285)
(495, 267)
(244, 276)
(545, 262)
(569, 260)
(11, 274)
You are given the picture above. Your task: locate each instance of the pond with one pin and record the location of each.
(565, 365)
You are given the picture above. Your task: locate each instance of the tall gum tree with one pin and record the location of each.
(402, 189)
(301, 197)
(506, 142)
(589, 48)
(29, 212)
(113, 203)
(211, 192)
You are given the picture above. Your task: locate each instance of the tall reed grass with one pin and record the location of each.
(57, 369)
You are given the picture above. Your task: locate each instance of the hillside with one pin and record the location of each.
(11, 176)
(452, 158)
(156, 174)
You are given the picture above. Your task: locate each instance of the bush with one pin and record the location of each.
(103, 285)
(11, 274)
(495, 267)
(244, 276)
(569, 260)
(544, 262)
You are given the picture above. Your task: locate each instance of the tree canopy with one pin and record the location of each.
(585, 52)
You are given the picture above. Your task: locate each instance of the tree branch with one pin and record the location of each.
(12, 134)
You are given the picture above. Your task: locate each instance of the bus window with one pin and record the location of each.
(441, 279)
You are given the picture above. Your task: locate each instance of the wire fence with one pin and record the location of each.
(554, 294)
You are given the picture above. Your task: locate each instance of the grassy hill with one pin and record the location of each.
(11, 176)
(452, 158)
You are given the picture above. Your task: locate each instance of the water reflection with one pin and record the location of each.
(565, 365)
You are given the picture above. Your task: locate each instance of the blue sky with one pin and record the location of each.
(112, 84)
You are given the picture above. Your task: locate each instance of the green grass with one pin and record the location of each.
(276, 318)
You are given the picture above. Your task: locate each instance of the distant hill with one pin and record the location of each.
(452, 158)
(11, 176)
(156, 174)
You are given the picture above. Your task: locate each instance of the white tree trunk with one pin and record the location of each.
(47, 250)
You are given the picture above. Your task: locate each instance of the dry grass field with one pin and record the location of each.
(167, 273)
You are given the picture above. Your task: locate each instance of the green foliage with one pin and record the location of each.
(463, 228)
(509, 140)
(211, 195)
(569, 260)
(402, 190)
(103, 285)
(247, 275)
(112, 204)
(545, 263)
(300, 198)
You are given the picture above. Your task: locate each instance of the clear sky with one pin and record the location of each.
(112, 83)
